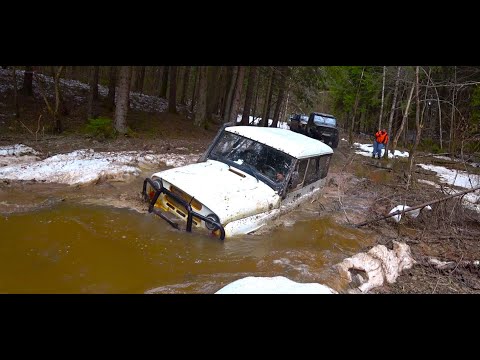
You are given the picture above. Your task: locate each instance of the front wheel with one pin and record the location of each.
(335, 143)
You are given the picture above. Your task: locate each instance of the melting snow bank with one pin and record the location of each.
(458, 178)
(17, 153)
(86, 166)
(273, 285)
(379, 264)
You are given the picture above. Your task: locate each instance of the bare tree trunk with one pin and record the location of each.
(404, 121)
(186, 80)
(201, 103)
(27, 89)
(140, 79)
(92, 112)
(195, 89)
(56, 118)
(172, 98)
(392, 110)
(15, 96)
(383, 97)
(355, 106)
(268, 100)
(281, 95)
(252, 75)
(255, 102)
(452, 117)
(123, 96)
(158, 76)
(228, 102)
(111, 88)
(163, 89)
(418, 128)
(238, 95)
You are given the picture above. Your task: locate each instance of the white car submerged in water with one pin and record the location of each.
(248, 176)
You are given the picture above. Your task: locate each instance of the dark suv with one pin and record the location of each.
(320, 126)
(298, 122)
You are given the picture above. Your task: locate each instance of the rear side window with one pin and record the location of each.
(317, 169)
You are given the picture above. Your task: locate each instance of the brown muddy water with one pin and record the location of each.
(75, 241)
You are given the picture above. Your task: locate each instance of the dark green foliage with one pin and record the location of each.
(429, 145)
(101, 127)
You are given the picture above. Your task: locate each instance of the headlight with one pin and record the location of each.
(214, 218)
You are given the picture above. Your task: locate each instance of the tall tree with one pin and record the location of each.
(195, 88)
(92, 112)
(392, 110)
(268, 99)
(452, 117)
(404, 121)
(123, 97)
(418, 127)
(383, 97)
(15, 96)
(201, 103)
(140, 79)
(281, 94)
(252, 77)
(186, 80)
(163, 88)
(237, 96)
(27, 88)
(228, 102)
(355, 107)
(111, 87)
(172, 96)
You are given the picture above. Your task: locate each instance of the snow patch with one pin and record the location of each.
(86, 166)
(454, 177)
(367, 150)
(256, 121)
(412, 214)
(273, 285)
(17, 150)
(379, 264)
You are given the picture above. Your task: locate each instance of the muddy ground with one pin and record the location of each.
(358, 189)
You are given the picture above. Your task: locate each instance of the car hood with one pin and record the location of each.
(229, 195)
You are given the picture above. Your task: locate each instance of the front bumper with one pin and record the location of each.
(157, 185)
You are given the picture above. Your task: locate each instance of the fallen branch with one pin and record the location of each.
(447, 265)
(418, 206)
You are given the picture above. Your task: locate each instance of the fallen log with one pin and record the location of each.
(418, 206)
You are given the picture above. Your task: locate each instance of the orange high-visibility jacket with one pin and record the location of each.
(381, 137)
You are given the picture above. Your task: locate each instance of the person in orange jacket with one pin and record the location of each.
(381, 139)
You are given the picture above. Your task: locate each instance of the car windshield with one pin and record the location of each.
(261, 161)
(304, 118)
(324, 120)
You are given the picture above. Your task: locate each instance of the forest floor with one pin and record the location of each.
(358, 188)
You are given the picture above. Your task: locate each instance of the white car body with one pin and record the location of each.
(241, 197)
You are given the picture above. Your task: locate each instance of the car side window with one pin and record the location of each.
(312, 174)
(298, 175)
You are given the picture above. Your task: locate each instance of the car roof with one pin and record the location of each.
(287, 141)
(326, 115)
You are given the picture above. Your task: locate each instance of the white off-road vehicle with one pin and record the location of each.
(248, 176)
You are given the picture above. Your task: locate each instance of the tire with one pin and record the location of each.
(335, 143)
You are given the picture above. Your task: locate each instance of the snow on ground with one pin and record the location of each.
(454, 177)
(441, 157)
(367, 150)
(78, 91)
(18, 153)
(273, 285)
(256, 121)
(428, 182)
(86, 166)
(457, 178)
(17, 150)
